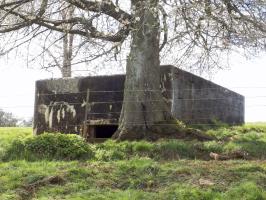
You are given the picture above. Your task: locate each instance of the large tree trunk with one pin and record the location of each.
(144, 113)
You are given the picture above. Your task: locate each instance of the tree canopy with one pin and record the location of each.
(7, 119)
(190, 29)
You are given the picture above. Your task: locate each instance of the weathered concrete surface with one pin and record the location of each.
(198, 101)
(60, 103)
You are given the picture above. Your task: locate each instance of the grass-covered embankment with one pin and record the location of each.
(65, 167)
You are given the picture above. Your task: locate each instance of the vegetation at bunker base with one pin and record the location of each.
(41, 168)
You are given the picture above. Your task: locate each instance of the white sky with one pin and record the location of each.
(247, 77)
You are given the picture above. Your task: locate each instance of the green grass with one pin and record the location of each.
(135, 179)
(166, 169)
(8, 135)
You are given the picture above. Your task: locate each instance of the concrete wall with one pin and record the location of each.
(60, 103)
(198, 101)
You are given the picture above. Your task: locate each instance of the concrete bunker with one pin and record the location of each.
(91, 106)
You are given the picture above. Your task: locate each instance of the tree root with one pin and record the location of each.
(157, 132)
(197, 134)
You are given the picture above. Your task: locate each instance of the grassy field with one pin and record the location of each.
(65, 167)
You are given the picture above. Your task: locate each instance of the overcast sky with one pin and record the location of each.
(247, 77)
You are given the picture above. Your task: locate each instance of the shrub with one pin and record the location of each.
(49, 146)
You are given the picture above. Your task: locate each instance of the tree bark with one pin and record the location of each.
(68, 39)
(144, 112)
(67, 55)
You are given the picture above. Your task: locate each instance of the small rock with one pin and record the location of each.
(215, 156)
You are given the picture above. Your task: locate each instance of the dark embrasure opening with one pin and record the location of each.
(105, 131)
